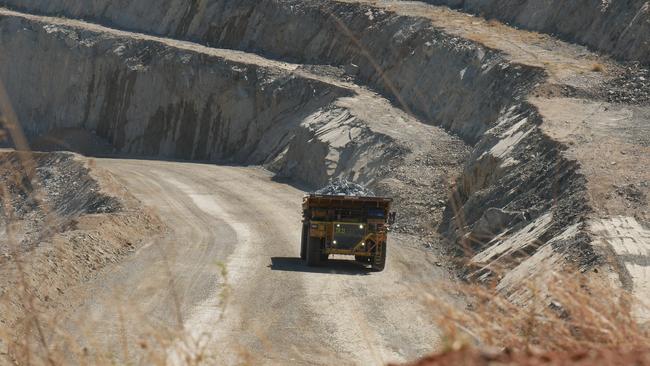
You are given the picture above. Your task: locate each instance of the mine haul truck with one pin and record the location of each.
(347, 225)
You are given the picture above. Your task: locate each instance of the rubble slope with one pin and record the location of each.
(62, 221)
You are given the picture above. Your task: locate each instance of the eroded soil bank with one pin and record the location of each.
(63, 220)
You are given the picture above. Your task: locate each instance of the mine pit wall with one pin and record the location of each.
(203, 108)
(619, 28)
(518, 200)
(152, 100)
(463, 89)
(359, 158)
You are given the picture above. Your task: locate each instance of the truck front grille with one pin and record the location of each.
(348, 235)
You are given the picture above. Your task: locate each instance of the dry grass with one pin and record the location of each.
(598, 67)
(572, 314)
(564, 312)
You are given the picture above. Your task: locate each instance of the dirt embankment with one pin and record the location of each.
(62, 221)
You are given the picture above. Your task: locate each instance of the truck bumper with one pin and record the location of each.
(347, 252)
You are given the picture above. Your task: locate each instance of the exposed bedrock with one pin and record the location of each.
(153, 99)
(383, 50)
(515, 198)
(139, 94)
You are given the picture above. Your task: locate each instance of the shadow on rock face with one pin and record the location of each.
(77, 140)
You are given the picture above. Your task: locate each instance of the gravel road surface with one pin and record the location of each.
(228, 272)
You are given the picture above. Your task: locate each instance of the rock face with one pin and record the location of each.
(388, 52)
(155, 99)
(160, 97)
(620, 28)
(203, 110)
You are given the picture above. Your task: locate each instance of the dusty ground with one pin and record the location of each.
(229, 269)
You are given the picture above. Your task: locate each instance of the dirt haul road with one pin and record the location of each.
(228, 271)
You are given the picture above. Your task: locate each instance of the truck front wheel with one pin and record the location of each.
(313, 251)
(379, 259)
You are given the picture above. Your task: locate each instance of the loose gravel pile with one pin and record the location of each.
(632, 86)
(61, 191)
(342, 187)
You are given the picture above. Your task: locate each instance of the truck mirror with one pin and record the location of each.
(392, 217)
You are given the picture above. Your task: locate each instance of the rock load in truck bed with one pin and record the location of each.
(342, 187)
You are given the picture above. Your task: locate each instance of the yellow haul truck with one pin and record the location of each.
(347, 225)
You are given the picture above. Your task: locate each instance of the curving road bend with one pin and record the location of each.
(227, 270)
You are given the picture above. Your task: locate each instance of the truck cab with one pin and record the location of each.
(345, 225)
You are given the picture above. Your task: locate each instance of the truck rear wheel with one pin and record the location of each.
(303, 241)
(313, 251)
(379, 259)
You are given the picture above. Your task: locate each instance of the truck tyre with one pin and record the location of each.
(303, 241)
(379, 260)
(313, 251)
(362, 259)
